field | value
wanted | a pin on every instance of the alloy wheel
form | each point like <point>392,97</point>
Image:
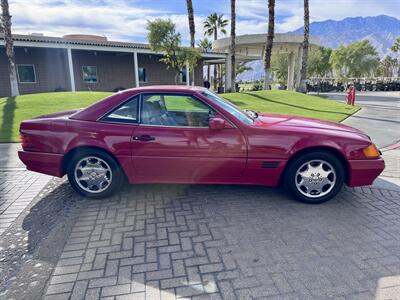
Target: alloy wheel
<point>315,178</point>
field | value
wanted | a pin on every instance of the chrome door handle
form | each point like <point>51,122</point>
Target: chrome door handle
<point>144,138</point>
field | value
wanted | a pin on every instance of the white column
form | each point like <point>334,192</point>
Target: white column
<point>290,82</point>
<point>136,68</point>
<point>299,63</point>
<point>71,69</point>
<point>187,74</point>
<point>228,71</point>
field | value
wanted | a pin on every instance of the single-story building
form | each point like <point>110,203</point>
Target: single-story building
<point>90,63</point>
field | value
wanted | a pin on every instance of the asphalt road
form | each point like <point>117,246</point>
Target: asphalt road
<point>379,116</point>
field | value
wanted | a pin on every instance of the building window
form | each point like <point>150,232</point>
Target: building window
<point>26,73</point>
<point>142,75</point>
<point>89,74</point>
<point>182,76</point>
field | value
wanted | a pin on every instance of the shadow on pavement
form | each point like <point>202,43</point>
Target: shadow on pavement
<point>32,245</point>
<point>49,213</point>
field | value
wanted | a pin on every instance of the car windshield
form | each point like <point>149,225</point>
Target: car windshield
<point>243,116</point>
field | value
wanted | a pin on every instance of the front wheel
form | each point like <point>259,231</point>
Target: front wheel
<point>314,177</point>
<point>94,174</point>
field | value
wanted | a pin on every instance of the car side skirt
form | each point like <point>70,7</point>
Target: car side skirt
<point>262,172</point>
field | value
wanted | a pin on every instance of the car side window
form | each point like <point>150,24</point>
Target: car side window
<point>175,110</point>
<point>125,113</point>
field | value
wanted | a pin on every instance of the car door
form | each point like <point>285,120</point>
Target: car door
<point>174,142</point>
<point>116,129</point>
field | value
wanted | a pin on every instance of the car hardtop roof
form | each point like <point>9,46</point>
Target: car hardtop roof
<point>167,88</point>
<point>96,110</point>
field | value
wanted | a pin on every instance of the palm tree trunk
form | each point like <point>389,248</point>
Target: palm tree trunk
<point>189,5</point>
<point>216,80</point>
<point>303,73</point>
<point>191,22</point>
<point>233,46</point>
<point>269,43</point>
<point>6,24</point>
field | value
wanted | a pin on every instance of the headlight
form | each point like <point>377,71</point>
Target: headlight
<point>371,151</point>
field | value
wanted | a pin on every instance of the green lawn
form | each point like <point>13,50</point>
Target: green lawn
<point>15,110</point>
<point>292,103</point>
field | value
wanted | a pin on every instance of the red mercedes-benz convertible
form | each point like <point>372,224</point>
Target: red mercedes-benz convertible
<point>172,134</point>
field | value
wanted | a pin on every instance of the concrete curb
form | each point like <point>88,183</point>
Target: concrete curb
<point>353,114</point>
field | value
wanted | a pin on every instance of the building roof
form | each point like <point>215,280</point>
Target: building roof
<point>254,44</point>
<point>82,42</point>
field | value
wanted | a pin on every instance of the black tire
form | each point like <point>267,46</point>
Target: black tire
<point>117,173</point>
<point>289,180</point>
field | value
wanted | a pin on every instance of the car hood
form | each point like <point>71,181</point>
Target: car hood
<point>267,120</point>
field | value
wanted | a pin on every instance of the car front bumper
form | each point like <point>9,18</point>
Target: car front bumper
<point>364,172</point>
<point>46,163</point>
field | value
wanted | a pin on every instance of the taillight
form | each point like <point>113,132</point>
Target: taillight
<point>22,140</point>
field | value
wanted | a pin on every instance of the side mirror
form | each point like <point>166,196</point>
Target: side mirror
<point>218,123</point>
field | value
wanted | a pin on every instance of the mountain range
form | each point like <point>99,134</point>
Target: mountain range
<point>380,30</point>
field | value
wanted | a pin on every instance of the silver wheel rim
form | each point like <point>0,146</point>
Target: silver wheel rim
<point>93,174</point>
<point>315,178</point>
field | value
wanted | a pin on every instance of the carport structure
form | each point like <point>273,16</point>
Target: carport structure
<point>251,47</point>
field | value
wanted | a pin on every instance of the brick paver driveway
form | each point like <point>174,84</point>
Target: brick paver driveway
<point>204,242</point>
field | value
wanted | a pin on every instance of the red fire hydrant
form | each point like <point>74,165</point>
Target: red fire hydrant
<point>351,95</point>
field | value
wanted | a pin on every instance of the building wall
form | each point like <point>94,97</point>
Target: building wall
<point>114,70</point>
<point>159,74</point>
<point>5,88</point>
<point>50,65</point>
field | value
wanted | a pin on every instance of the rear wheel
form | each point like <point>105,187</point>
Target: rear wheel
<point>94,174</point>
<point>314,177</point>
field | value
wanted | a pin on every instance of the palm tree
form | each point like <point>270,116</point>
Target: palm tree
<point>396,49</point>
<point>396,45</point>
<point>242,67</point>
<point>6,28</point>
<point>269,43</point>
<point>233,46</point>
<point>206,46</point>
<point>212,25</point>
<point>303,73</point>
<point>189,6</point>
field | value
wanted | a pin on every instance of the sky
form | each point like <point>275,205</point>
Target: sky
<point>125,20</point>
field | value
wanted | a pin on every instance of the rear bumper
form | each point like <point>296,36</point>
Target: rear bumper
<point>364,172</point>
<point>46,163</point>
